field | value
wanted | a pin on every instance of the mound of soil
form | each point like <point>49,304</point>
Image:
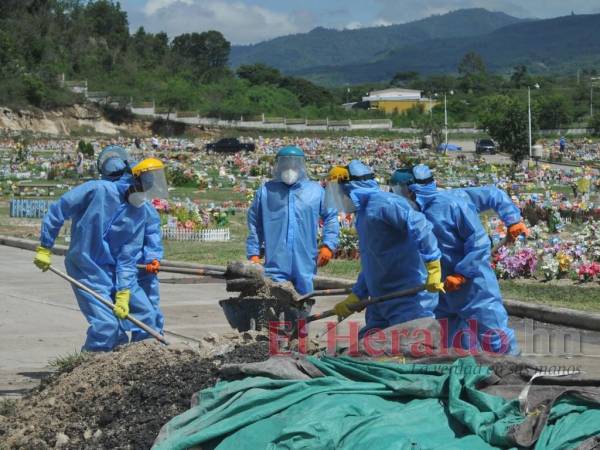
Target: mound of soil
<point>116,400</point>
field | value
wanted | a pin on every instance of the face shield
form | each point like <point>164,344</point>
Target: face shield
<point>150,182</point>
<point>402,190</point>
<point>336,198</point>
<point>289,169</point>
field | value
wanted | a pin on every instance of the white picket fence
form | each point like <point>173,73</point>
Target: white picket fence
<point>208,235</point>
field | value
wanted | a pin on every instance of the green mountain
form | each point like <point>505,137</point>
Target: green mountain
<point>327,47</point>
<point>556,45</point>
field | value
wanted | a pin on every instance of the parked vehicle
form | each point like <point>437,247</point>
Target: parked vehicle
<point>485,146</point>
<point>229,145</point>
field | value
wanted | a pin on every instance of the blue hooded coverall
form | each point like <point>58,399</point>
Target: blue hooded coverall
<point>465,250</point>
<point>395,242</point>
<point>148,285</point>
<point>126,238</point>
<point>285,220</point>
<point>90,259</point>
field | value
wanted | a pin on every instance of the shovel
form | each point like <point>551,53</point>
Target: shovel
<point>364,303</point>
<point>109,304</point>
<point>358,307</point>
<point>188,271</point>
<point>325,293</point>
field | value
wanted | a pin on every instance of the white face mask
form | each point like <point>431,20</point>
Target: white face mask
<point>289,176</point>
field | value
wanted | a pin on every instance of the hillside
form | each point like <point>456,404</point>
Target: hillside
<point>338,48</point>
<point>546,46</point>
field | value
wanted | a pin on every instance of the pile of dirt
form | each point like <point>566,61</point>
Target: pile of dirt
<point>117,400</point>
<point>250,281</point>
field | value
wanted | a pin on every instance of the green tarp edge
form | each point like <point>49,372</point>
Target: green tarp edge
<point>366,404</point>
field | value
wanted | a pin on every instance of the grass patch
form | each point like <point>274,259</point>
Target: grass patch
<point>66,363</point>
<point>341,268</point>
<point>217,253</point>
<point>8,407</point>
<point>574,297</point>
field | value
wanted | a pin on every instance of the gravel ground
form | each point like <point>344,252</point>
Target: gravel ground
<point>116,400</point>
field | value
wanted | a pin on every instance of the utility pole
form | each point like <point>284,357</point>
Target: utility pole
<point>593,81</point>
<point>446,121</point>
<point>537,86</point>
<point>529,116</point>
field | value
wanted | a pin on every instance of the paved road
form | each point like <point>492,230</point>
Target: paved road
<point>39,321</point>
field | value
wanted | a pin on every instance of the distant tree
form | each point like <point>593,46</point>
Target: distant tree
<point>308,93</point>
<point>520,77</point>
<point>436,84</point>
<point>404,78</point>
<point>553,111</point>
<point>505,119</point>
<point>8,55</point>
<point>472,71</point>
<point>471,64</point>
<point>174,95</point>
<point>259,74</point>
<point>203,53</point>
<point>106,19</point>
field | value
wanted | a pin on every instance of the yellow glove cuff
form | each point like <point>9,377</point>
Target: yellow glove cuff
<point>434,276</point>
<point>122,304</point>
<point>43,251</point>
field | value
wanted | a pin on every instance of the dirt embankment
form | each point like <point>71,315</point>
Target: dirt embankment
<point>117,400</point>
<point>74,120</point>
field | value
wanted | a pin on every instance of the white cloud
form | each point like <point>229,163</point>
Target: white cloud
<point>240,22</point>
<point>154,5</point>
<point>381,23</point>
<point>353,25</point>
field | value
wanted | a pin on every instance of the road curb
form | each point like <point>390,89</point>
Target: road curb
<point>541,313</point>
<point>28,244</point>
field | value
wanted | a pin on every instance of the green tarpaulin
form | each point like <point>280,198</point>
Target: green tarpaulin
<point>369,405</point>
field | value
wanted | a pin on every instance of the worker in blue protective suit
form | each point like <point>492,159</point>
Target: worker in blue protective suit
<point>472,291</point>
<point>284,220</point>
<point>150,255</point>
<point>101,251</point>
<point>91,207</point>
<point>398,249</point>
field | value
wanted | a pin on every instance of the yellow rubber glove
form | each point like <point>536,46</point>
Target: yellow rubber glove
<point>342,308</point>
<point>122,304</point>
<point>434,277</point>
<point>43,258</point>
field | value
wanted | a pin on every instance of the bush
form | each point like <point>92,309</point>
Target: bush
<point>180,177</point>
<point>164,127</point>
<point>86,148</point>
<point>117,115</point>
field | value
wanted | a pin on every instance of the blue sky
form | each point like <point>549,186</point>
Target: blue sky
<point>250,21</point>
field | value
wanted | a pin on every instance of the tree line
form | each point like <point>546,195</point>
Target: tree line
<point>42,39</point>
